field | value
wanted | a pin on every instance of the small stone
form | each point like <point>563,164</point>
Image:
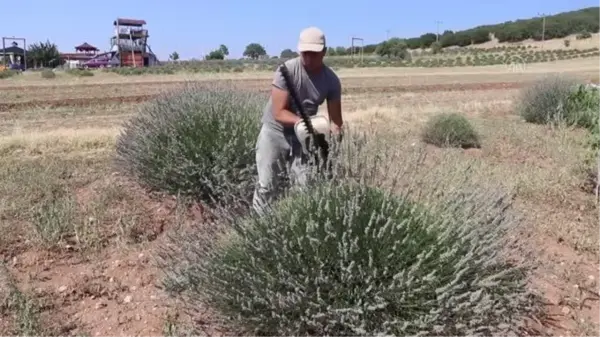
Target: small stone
<point>111,280</point>
<point>100,305</point>
<point>62,289</point>
<point>127,299</point>
<point>591,281</point>
<point>117,263</point>
<point>134,288</point>
<point>152,297</point>
<point>138,317</point>
<point>141,256</point>
<point>565,310</point>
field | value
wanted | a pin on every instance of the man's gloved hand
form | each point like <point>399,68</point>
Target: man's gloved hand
<point>320,125</point>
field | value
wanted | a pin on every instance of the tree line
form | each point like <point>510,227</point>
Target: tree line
<point>582,22</point>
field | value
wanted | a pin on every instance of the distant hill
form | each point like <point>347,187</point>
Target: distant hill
<point>581,22</point>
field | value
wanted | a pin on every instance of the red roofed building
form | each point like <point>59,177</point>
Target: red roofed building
<point>83,53</point>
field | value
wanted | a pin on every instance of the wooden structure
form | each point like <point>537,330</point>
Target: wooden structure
<point>83,53</point>
<point>130,43</point>
<point>86,48</point>
<point>13,57</point>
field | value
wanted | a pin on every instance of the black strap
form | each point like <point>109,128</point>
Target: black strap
<point>318,140</point>
<point>299,107</point>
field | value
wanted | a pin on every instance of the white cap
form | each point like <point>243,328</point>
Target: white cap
<point>311,39</point>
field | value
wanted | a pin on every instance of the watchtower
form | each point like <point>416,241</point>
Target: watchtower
<point>130,42</point>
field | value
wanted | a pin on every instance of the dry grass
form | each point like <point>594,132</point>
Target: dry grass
<point>61,201</point>
<point>58,141</point>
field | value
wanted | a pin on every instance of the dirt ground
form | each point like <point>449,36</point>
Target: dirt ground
<point>57,140</point>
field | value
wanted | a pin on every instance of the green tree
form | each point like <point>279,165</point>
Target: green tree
<point>254,51</point>
<point>224,50</point>
<point>43,54</point>
<point>394,47</point>
<point>174,56</point>
<point>288,54</point>
<point>427,40</point>
<point>447,39</point>
<point>341,51</point>
<point>215,55</point>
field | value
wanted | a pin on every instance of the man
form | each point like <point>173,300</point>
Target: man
<point>278,149</point>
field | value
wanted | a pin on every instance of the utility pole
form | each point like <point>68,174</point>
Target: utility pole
<point>543,15</point>
<point>437,35</point>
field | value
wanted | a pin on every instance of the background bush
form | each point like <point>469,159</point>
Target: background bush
<point>583,107</point>
<point>198,142</point>
<point>7,73</point>
<point>347,258</point>
<point>546,100</point>
<point>450,130</point>
<point>80,72</point>
<point>47,73</point>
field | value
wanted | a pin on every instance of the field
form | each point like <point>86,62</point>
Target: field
<point>82,262</point>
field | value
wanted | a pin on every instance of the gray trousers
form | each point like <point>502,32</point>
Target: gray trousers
<point>280,164</point>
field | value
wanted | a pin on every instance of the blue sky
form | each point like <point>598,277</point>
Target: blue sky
<point>195,27</point>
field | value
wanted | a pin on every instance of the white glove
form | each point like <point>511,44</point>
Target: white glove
<point>320,125</point>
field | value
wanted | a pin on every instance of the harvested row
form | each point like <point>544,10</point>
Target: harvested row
<point>84,101</point>
<point>15,94</point>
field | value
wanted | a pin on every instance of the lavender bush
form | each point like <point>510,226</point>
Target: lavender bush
<point>450,130</point>
<point>545,101</point>
<point>354,257</point>
<point>198,141</point>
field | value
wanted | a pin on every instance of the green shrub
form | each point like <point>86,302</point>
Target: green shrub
<point>47,73</point>
<point>197,142</point>
<point>80,72</point>
<point>583,35</point>
<point>350,259</point>
<point>545,101</point>
<point>7,73</point>
<point>450,130</point>
<point>583,106</point>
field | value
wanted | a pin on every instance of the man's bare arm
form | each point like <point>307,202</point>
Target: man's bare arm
<point>334,106</point>
<point>281,113</point>
<point>334,109</point>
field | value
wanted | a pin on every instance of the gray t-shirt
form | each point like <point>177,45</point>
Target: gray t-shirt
<point>312,90</point>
